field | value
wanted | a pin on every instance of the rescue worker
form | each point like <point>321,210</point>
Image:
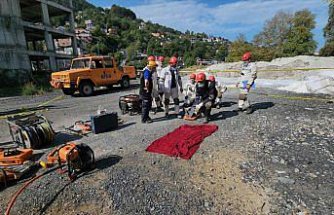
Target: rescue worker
<point>157,86</point>
<point>190,95</point>
<point>247,77</point>
<point>146,87</point>
<point>205,95</point>
<point>160,62</point>
<point>220,90</point>
<point>190,90</point>
<point>172,84</point>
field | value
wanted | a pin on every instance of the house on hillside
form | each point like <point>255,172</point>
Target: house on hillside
<point>142,26</point>
<point>89,24</point>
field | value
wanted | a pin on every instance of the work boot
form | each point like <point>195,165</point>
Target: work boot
<point>159,109</point>
<point>249,110</point>
<point>149,120</point>
<point>240,109</point>
<point>207,116</point>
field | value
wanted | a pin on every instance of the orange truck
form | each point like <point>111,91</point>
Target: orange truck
<point>92,71</point>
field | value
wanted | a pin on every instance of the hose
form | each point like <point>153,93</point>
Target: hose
<point>16,195</point>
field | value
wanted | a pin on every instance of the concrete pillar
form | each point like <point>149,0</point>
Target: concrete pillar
<point>51,50</point>
<point>72,26</point>
<point>45,13</point>
<point>53,63</point>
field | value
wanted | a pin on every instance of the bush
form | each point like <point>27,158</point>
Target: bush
<point>29,89</point>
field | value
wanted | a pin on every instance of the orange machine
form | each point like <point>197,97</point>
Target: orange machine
<point>92,71</point>
<point>77,158</point>
<point>10,157</point>
<point>62,154</point>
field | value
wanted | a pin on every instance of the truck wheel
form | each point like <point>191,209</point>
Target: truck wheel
<point>125,83</point>
<point>86,88</point>
<point>110,87</point>
<point>67,91</point>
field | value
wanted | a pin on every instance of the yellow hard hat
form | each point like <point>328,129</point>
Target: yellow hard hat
<point>152,63</point>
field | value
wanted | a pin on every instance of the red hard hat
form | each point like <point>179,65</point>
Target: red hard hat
<point>247,56</point>
<point>192,76</point>
<point>173,61</point>
<point>200,77</point>
<point>151,58</point>
<point>161,58</point>
<point>212,78</point>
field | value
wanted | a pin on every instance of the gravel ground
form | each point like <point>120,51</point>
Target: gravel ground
<point>278,160</point>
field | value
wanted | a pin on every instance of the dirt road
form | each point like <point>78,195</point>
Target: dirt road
<point>279,160</point>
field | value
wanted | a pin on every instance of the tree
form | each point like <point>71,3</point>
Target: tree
<point>221,52</point>
<point>300,38</point>
<point>275,32</point>
<point>122,12</point>
<point>328,49</point>
<point>238,48</point>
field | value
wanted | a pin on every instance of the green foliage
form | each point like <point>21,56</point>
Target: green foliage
<point>275,32</point>
<point>29,89</point>
<point>286,35</point>
<point>238,48</point>
<point>132,36</point>
<point>329,28</point>
<point>122,12</point>
<point>328,49</point>
<point>80,5</point>
<point>300,38</point>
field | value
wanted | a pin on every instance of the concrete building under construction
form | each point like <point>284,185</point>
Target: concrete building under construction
<point>28,31</point>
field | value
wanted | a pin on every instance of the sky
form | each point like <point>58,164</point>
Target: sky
<point>225,18</point>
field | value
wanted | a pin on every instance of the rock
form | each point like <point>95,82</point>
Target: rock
<point>312,175</point>
<point>297,170</point>
<point>285,180</point>
<point>280,172</point>
<point>275,159</point>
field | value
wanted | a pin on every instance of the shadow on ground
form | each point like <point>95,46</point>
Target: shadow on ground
<point>262,105</point>
<point>63,137</point>
<point>223,115</point>
<point>227,104</point>
<point>163,118</point>
<point>107,162</point>
<point>100,92</point>
<point>121,126</point>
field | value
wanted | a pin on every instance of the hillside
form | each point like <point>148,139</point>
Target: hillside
<point>119,32</point>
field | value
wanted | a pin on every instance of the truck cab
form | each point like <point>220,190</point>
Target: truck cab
<point>92,71</point>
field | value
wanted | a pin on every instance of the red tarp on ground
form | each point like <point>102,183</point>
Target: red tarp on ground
<point>182,142</point>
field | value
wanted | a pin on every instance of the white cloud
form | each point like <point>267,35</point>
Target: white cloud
<point>228,19</point>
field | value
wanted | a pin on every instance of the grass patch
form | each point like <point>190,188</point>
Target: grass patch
<point>32,89</point>
<point>27,89</point>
